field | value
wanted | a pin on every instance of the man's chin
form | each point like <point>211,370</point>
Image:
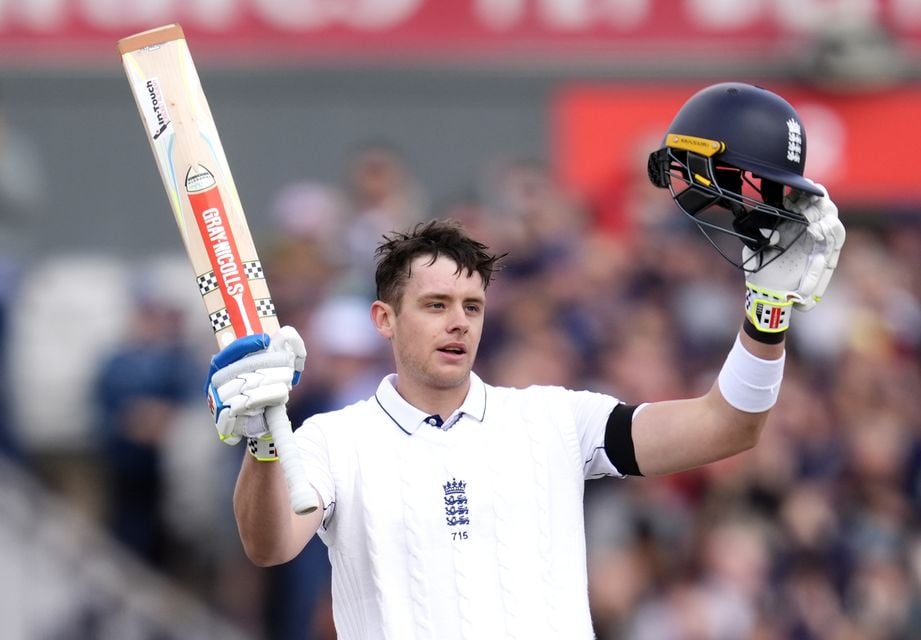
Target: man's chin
<point>450,380</point>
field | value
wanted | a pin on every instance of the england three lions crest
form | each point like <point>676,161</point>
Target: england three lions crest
<point>456,511</point>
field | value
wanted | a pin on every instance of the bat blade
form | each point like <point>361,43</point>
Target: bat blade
<point>198,182</point>
<point>204,200</point>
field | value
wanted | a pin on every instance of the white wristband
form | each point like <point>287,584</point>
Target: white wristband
<point>748,382</point>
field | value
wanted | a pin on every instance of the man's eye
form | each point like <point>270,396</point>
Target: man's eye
<point>473,308</point>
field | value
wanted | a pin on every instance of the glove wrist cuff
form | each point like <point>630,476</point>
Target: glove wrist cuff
<point>262,448</point>
<point>768,311</point>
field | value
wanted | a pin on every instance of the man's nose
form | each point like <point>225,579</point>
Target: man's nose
<point>459,320</point>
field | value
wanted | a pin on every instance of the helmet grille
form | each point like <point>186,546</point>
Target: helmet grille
<point>726,201</point>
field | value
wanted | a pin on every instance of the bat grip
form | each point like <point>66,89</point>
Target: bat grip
<point>303,496</point>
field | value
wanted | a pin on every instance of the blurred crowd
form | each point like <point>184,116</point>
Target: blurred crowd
<point>814,534</point>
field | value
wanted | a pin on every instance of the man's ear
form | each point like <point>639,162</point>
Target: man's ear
<point>382,315</point>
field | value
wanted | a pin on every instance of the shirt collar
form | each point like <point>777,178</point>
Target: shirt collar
<point>408,418</point>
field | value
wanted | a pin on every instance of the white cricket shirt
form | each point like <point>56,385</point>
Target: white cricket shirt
<point>473,530</point>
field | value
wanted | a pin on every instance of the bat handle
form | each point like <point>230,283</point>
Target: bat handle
<point>303,496</point>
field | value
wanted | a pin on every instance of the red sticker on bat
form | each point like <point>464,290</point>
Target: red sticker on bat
<point>211,217</point>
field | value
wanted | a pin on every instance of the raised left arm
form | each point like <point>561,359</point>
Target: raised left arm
<point>681,434</point>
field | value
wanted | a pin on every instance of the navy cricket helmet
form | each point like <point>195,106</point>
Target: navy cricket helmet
<point>728,157</point>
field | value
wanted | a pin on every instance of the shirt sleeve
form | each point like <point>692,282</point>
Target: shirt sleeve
<point>314,449</point>
<point>590,412</point>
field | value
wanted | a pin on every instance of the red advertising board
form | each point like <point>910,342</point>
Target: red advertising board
<point>349,28</point>
<point>858,145</point>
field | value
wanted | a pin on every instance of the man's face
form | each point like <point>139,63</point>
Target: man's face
<point>437,331</point>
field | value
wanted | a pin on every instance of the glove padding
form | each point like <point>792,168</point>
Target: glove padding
<point>800,275</point>
<point>250,374</point>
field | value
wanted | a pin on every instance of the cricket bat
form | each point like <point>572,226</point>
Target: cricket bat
<point>207,208</point>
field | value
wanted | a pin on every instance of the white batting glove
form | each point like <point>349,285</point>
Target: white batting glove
<point>249,375</point>
<point>798,277</point>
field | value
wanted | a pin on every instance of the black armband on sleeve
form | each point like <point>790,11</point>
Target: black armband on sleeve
<point>618,440</point>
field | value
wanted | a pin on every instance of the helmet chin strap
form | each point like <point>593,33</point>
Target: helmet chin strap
<point>745,221</point>
<point>751,226</point>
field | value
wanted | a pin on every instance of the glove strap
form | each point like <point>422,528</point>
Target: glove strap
<point>262,448</point>
<point>769,311</point>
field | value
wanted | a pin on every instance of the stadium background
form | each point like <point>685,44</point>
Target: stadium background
<point>530,120</point>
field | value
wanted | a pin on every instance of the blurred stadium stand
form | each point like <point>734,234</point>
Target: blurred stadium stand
<point>63,578</point>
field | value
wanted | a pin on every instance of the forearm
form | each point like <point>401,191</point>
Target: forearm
<point>683,434</point>
<point>692,432</point>
<point>270,531</point>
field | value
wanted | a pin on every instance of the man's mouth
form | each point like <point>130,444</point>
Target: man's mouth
<point>454,349</point>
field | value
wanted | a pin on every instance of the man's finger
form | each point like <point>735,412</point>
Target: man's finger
<point>250,364</point>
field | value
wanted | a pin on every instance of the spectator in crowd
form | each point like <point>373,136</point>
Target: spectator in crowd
<point>22,207</point>
<point>306,253</point>
<point>382,193</point>
<point>139,389</point>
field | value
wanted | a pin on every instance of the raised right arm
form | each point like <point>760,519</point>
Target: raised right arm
<point>250,376</point>
<point>270,531</point>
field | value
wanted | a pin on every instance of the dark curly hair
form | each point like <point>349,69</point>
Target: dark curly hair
<point>436,238</point>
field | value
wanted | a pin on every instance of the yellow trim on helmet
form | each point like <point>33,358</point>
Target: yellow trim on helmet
<point>702,180</point>
<point>703,146</point>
